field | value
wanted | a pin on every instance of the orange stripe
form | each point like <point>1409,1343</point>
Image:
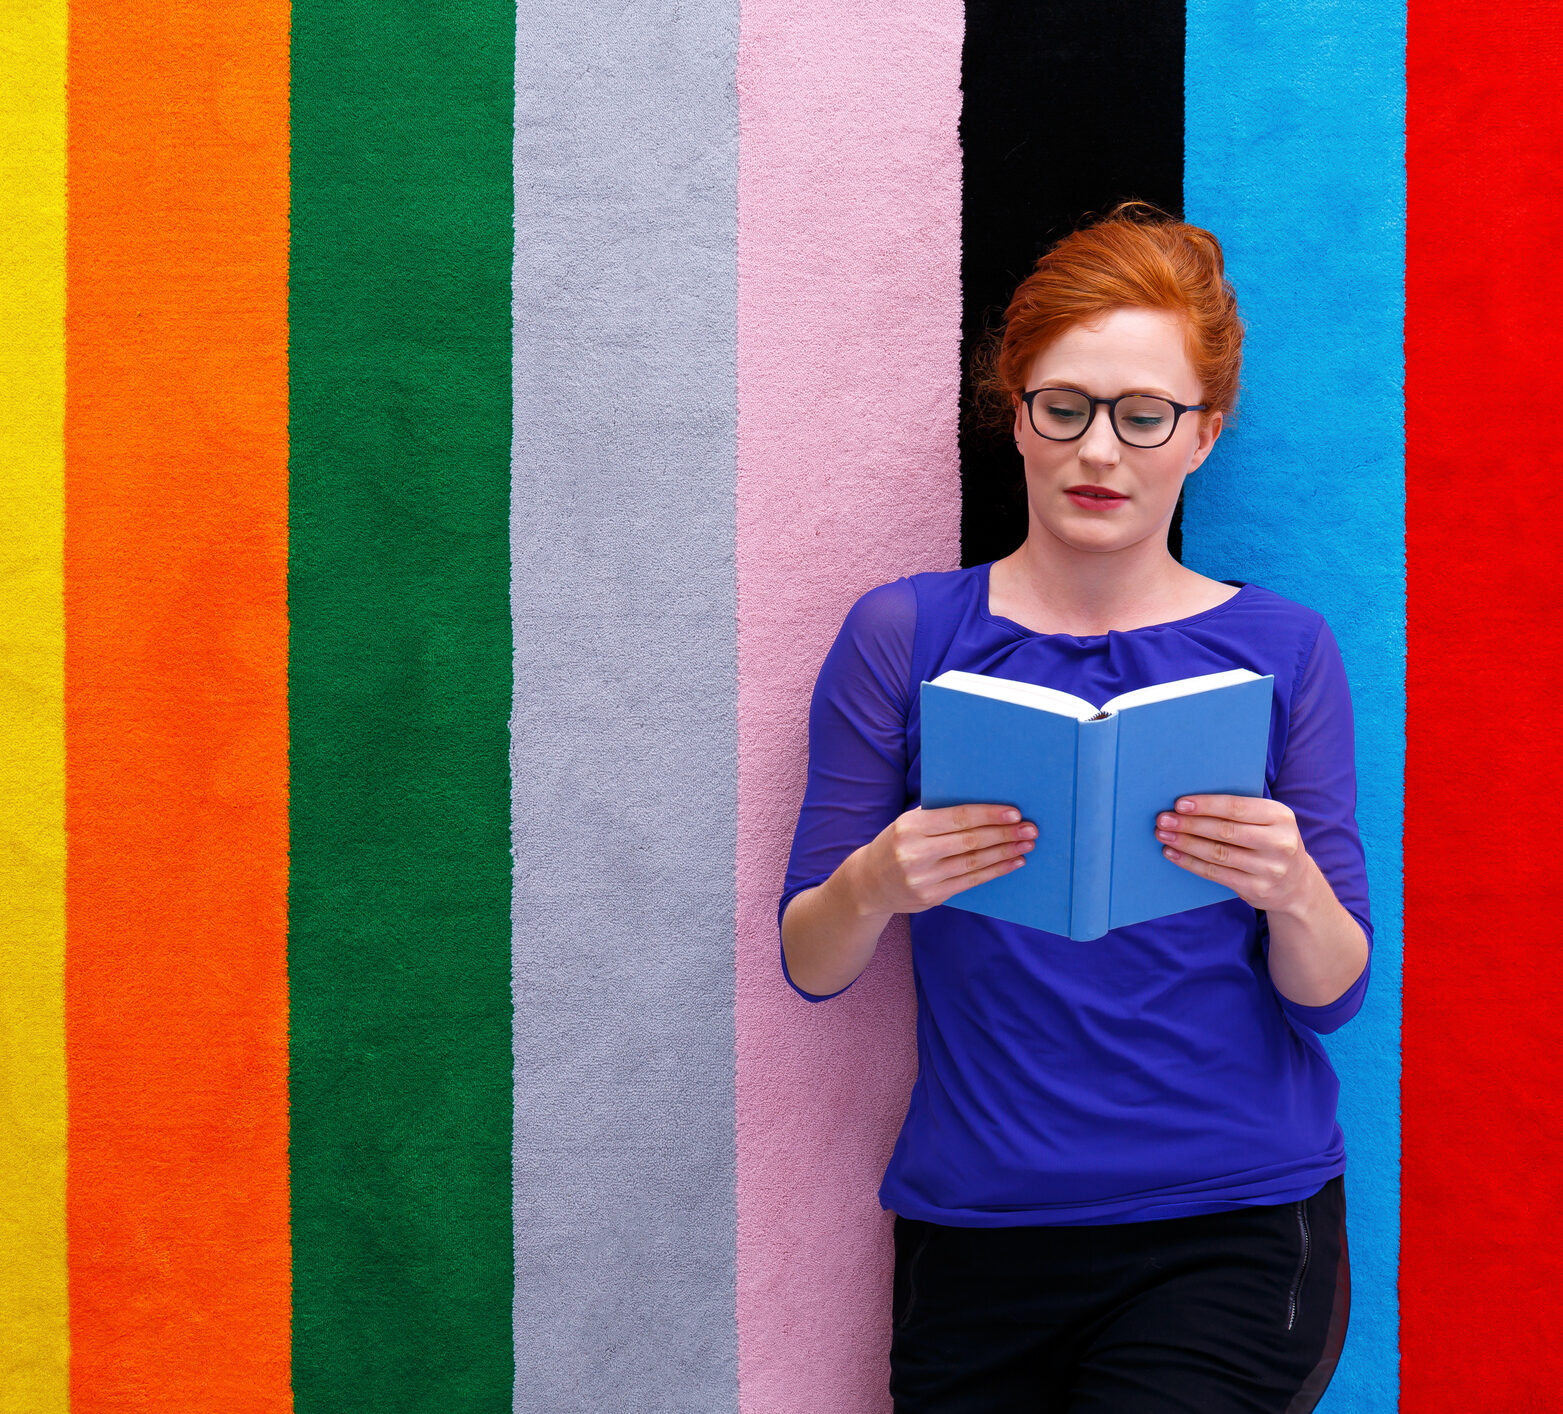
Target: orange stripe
<point>176,719</point>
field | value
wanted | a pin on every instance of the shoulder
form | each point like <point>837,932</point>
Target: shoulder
<point>1302,650</point>
<point>885,611</point>
<point>951,594</point>
<point>896,606</point>
<point>1284,618</point>
<point>877,632</point>
<point>891,623</point>
<point>1279,607</point>
<point>1267,632</point>
<point>870,659</point>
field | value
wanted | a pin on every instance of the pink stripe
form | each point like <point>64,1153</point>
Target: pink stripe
<point>848,366</point>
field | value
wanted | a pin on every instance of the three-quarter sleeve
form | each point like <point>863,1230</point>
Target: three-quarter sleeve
<point>1317,778</point>
<point>857,742</point>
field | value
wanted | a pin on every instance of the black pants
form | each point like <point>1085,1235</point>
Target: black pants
<point>1223,1312</point>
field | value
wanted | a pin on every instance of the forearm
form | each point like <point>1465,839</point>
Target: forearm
<point>1317,949</point>
<point>829,934</point>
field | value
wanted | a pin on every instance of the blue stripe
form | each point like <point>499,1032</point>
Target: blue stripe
<point>1294,157</point>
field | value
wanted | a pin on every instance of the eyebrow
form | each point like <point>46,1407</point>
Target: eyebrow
<point>1077,387</point>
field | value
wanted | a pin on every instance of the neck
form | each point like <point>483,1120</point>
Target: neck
<point>1089,593</point>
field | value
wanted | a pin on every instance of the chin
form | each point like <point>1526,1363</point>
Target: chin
<point>1099,539</point>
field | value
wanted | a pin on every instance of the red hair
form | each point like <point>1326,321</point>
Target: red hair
<point>1135,257</point>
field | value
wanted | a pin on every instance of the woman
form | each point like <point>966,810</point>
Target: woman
<point>1118,1184</point>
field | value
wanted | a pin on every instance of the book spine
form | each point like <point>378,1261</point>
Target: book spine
<point>1096,771</point>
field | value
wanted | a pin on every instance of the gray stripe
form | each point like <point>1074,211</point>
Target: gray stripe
<point>624,742</point>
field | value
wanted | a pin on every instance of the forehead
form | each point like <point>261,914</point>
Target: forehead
<point>1127,348</point>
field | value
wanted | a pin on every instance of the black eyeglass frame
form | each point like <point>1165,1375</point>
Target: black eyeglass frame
<point>1111,404</point>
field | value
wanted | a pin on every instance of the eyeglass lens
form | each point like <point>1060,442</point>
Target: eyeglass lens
<point>1142,420</point>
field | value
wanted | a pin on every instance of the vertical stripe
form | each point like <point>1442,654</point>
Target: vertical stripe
<point>1068,108</point>
<point>175,615</point>
<point>1482,1262</point>
<point>33,1336</point>
<point>848,341</point>
<point>1294,159</point>
<point>624,743</point>
<point>399,956</point>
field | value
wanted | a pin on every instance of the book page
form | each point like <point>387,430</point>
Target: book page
<point>1165,691</point>
<point>1022,694</point>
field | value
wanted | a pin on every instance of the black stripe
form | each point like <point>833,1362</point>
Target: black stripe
<point>1068,108</point>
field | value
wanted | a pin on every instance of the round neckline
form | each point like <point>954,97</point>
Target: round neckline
<point>1243,586</point>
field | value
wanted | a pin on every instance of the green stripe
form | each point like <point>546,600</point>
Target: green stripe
<point>400,684</point>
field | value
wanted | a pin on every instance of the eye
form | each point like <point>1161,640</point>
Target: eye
<point>1062,413</point>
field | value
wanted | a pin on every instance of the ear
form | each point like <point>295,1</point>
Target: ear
<point>1020,413</point>
<point>1208,432</point>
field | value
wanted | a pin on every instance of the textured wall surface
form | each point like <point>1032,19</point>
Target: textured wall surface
<point>848,314</point>
<point>176,725</point>
<point>34,1297</point>
<point>440,444</point>
<point>1482,1095</point>
<point>399,681</point>
<point>1295,158</point>
<point>623,734</point>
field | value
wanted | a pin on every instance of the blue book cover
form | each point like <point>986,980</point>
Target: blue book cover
<point>1092,779</point>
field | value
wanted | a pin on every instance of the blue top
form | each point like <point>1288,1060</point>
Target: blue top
<point>1155,1072</point>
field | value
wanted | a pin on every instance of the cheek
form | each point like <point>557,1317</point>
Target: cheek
<point>1164,475</point>
<point>1043,452</point>
<point>1045,460</point>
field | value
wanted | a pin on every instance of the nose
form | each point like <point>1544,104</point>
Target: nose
<point>1099,445</point>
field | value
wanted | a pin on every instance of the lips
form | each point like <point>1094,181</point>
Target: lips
<point>1099,493</point>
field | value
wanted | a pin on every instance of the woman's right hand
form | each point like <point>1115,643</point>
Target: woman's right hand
<point>919,859</point>
<point>923,857</point>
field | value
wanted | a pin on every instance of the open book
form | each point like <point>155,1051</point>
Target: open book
<point>1093,781</point>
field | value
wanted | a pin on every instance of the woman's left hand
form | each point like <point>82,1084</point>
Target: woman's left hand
<point>1250,844</point>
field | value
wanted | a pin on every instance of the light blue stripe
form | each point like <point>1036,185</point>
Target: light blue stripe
<point>624,733</point>
<point>1295,146</point>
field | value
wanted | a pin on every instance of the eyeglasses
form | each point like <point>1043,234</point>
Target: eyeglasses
<point>1139,419</point>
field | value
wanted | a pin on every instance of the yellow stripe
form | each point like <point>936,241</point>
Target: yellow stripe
<point>34,1316</point>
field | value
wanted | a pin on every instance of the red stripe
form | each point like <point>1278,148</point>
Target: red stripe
<point>1482,1239</point>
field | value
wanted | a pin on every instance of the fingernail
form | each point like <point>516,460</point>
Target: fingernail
<point>1167,822</point>
<point>1186,806</point>
<point>1165,835</point>
<point>1011,816</point>
<point>1172,854</point>
<point>1028,832</point>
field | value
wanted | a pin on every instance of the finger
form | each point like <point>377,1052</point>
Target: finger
<point>970,841</point>
<point>1228,807</point>
<point>1171,828</point>
<point>1244,861</point>
<point>994,870</point>
<point>952,819</point>
<point>972,860</point>
<point>1235,879</point>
